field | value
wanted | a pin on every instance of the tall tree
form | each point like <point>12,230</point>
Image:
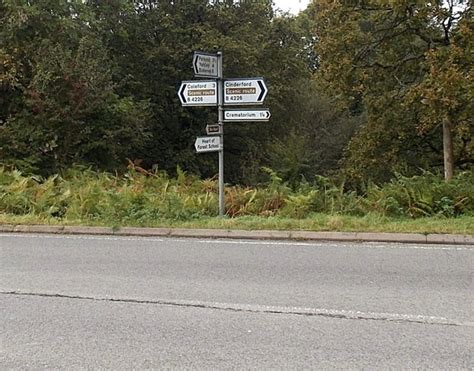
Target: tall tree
<point>62,107</point>
<point>408,65</point>
<point>95,82</point>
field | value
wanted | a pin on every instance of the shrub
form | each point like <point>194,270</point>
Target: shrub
<point>136,197</point>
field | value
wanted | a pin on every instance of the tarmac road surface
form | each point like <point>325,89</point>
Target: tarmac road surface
<point>131,302</point>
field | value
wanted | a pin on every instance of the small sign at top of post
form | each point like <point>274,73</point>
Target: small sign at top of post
<point>205,65</point>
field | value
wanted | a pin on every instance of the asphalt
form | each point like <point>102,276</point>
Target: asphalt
<point>130,302</point>
<point>67,334</point>
<point>443,239</point>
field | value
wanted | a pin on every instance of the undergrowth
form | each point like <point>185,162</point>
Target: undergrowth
<point>136,198</point>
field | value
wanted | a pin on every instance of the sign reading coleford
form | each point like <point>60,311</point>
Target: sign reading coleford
<point>205,65</point>
<point>207,144</point>
<point>198,93</point>
<point>244,91</point>
<point>247,115</point>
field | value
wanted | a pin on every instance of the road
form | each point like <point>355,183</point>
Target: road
<point>123,303</point>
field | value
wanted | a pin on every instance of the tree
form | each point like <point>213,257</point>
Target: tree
<point>94,82</point>
<point>61,104</point>
<point>316,138</point>
<point>389,58</point>
<point>153,47</point>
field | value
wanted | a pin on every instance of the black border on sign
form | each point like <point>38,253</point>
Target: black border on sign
<point>260,81</point>
<point>181,92</point>
<point>247,109</point>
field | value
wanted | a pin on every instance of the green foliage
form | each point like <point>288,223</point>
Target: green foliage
<point>81,195</point>
<point>94,83</point>
<point>314,142</point>
<point>409,66</point>
<point>60,105</point>
<point>424,195</point>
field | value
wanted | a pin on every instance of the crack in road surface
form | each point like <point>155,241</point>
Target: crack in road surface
<point>254,308</point>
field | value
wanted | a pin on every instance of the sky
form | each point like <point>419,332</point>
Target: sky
<point>293,6</point>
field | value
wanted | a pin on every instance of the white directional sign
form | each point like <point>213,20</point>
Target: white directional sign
<point>244,91</point>
<point>207,144</point>
<point>198,93</point>
<point>247,115</point>
<point>205,65</point>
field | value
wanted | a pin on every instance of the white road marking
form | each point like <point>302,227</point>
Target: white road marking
<point>256,308</point>
<point>373,245</point>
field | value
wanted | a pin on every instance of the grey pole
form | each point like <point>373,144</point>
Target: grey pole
<point>220,105</point>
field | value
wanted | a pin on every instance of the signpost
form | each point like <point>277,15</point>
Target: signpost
<point>207,144</point>
<point>198,93</point>
<point>244,91</point>
<point>250,114</point>
<point>205,65</point>
<point>219,92</point>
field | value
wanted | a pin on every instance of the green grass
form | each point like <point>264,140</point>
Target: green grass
<point>423,204</point>
<point>317,222</point>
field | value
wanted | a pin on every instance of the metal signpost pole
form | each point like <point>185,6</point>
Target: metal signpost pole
<point>220,122</point>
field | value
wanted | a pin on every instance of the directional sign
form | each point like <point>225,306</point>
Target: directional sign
<point>198,93</point>
<point>244,91</point>
<point>247,115</point>
<point>205,65</point>
<point>213,129</point>
<point>207,144</point>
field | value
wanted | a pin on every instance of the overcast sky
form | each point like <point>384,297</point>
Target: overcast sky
<point>294,6</point>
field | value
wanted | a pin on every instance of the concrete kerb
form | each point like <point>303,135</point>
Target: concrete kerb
<point>88,230</point>
<point>393,237</point>
<point>6,228</point>
<point>53,229</point>
<point>446,239</point>
<point>325,236</point>
<point>450,239</point>
<point>150,232</point>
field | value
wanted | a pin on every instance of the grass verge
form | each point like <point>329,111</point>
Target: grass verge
<point>317,222</point>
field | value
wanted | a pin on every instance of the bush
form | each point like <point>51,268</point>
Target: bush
<point>140,197</point>
<point>425,195</point>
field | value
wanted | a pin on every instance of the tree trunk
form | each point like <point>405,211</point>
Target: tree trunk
<point>448,150</point>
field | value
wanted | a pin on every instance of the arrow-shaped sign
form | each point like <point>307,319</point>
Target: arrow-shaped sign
<point>205,65</point>
<point>207,144</point>
<point>244,91</point>
<point>247,115</point>
<point>198,93</point>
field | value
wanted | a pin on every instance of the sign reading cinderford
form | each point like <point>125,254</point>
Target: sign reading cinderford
<point>244,91</point>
